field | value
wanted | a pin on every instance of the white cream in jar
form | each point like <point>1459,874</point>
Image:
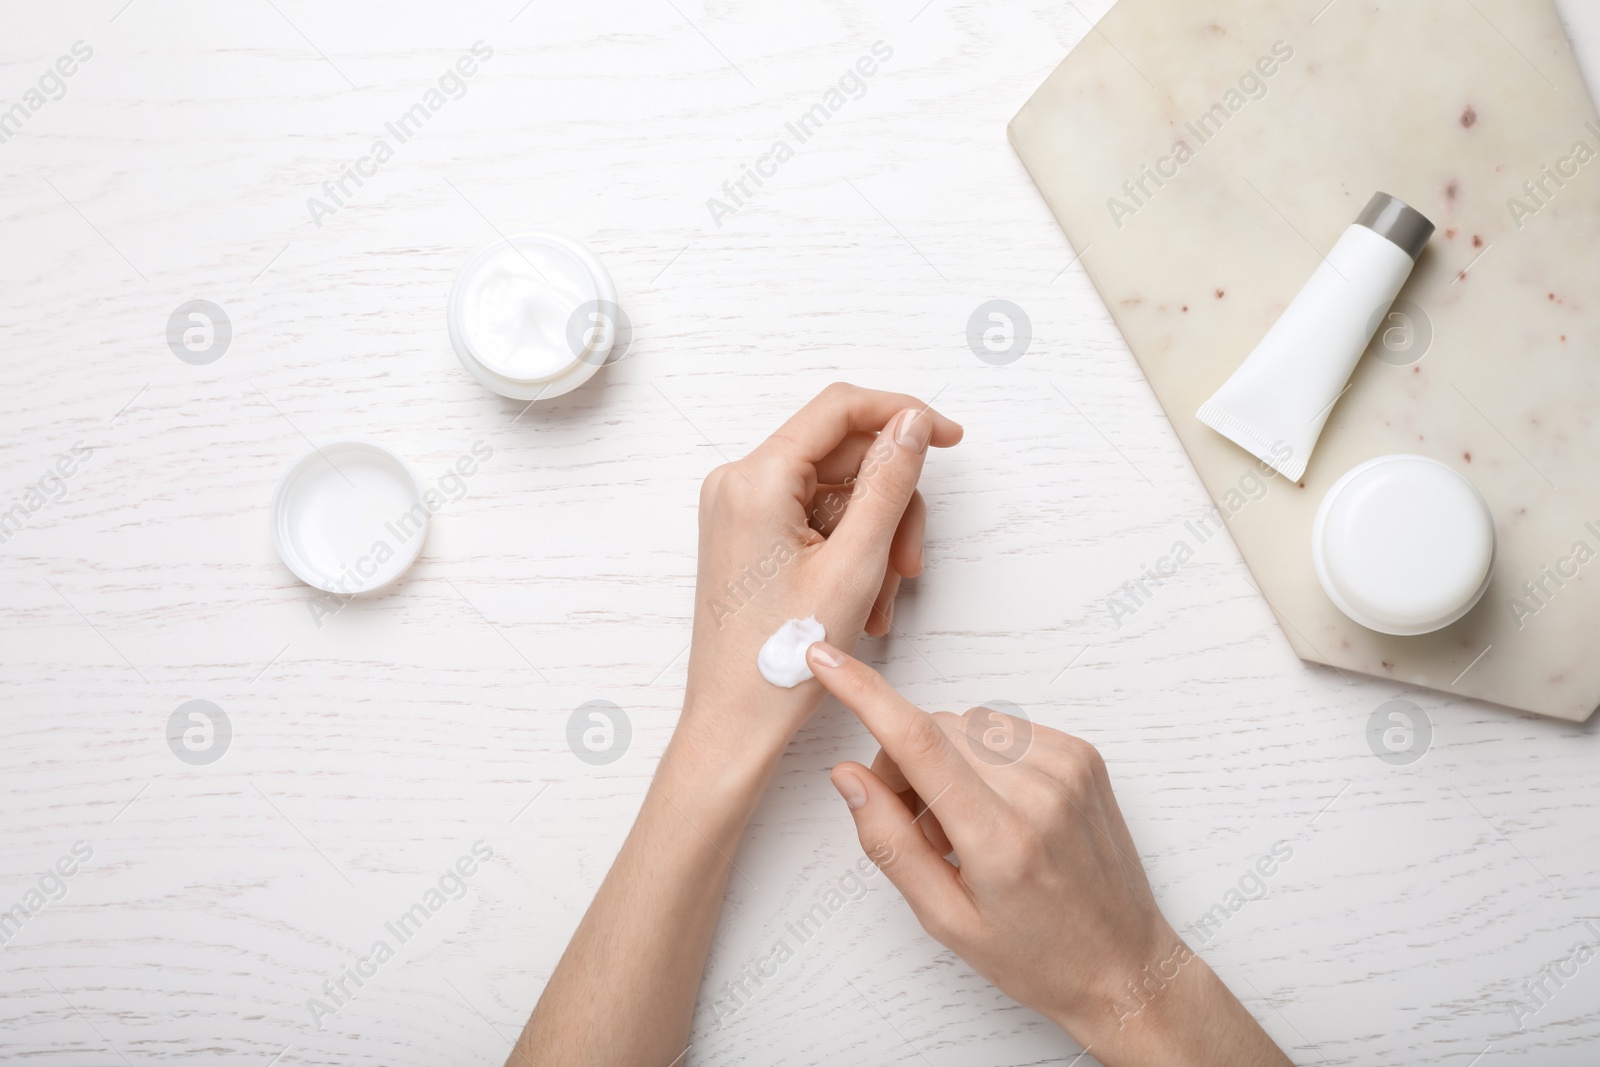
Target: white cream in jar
<point>533,316</point>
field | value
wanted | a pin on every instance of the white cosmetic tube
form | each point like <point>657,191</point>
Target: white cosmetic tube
<point>1275,405</point>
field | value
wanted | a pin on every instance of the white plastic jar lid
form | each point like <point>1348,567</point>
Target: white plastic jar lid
<point>533,315</point>
<point>349,517</point>
<point>1403,545</point>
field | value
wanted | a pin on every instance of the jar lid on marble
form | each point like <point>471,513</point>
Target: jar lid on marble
<point>1403,545</point>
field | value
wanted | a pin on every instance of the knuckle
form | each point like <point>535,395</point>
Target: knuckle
<point>1081,748</point>
<point>953,725</point>
<point>711,484</point>
<point>762,465</point>
<point>879,850</point>
<point>1020,847</point>
<point>975,722</point>
<point>886,472</point>
<point>862,687</point>
<point>828,507</point>
<point>1075,783</point>
<point>1085,761</point>
<point>1066,801</point>
<point>1000,738</point>
<point>923,739</point>
<point>745,486</point>
<point>939,926</point>
<point>857,686</point>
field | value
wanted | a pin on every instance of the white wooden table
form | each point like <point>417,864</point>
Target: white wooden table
<point>371,748</point>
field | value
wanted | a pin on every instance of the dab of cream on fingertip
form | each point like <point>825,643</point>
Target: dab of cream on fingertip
<point>782,660</point>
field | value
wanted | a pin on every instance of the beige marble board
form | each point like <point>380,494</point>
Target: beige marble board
<point>1474,112</point>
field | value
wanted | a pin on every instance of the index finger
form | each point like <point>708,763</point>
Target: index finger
<point>840,410</point>
<point>933,766</point>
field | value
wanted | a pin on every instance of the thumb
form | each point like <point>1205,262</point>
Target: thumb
<point>891,838</point>
<point>883,487</point>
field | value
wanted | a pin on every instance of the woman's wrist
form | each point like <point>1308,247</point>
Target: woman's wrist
<point>1174,1012</point>
<point>719,761</point>
<point>735,726</point>
<point>1118,1015</point>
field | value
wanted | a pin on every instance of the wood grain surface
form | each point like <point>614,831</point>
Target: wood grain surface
<point>374,746</point>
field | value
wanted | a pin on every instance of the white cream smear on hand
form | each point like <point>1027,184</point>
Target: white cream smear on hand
<point>782,660</point>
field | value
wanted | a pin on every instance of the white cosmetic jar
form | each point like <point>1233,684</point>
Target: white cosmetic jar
<point>1403,545</point>
<point>533,315</point>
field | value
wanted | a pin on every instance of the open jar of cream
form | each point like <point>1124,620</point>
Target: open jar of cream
<point>533,316</point>
<point>1403,545</point>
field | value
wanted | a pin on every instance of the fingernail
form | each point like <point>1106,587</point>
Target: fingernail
<point>825,655</point>
<point>849,787</point>
<point>916,427</point>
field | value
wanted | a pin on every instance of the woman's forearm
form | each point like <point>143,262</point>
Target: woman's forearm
<point>624,991</point>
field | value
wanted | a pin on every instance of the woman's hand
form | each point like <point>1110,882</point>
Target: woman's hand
<point>823,519</point>
<point>1050,901</point>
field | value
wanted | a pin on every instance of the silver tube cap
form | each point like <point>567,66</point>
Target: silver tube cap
<point>1393,218</point>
